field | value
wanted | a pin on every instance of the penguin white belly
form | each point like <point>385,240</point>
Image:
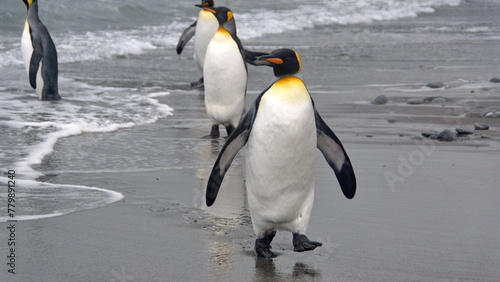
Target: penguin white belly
<point>280,165</point>
<point>26,47</point>
<point>205,29</point>
<point>225,79</point>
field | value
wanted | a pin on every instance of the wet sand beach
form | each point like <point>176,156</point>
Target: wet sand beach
<point>425,210</point>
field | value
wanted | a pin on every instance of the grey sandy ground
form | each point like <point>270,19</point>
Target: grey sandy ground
<point>435,219</point>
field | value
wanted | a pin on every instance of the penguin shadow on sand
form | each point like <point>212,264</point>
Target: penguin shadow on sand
<point>265,270</point>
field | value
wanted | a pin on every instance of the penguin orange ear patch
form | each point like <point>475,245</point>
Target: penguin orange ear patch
<point>276,61</point>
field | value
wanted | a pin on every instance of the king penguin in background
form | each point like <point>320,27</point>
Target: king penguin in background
<point>40,55</point>
<point>225,74</point>
<point>203,29</point>
<point>282,130</point>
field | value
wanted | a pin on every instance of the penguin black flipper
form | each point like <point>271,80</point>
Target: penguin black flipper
<point>335,156</point>
<point>186,35</point>
<point>36,57</point>
<point>251,57</point>
<point>233,145</point>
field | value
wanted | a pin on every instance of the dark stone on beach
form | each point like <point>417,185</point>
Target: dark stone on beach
<point>435,85</point>
<point>464,131</point>
<point>380,100</point>
<point>488,114</point>
<point>495,80</point>
<point>417,138</point>
<point>435,99</point>
<point>481,126</point>
<point>491,112</point>
<point>447,136</point>
<point>428,134</point>
<point>415,102</point>
<point>429,99</point>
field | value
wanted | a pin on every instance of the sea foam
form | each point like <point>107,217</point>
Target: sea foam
<point>36,200</point>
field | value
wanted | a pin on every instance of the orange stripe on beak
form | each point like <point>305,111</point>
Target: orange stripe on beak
<point>209,9</point>
<point>276,61</point>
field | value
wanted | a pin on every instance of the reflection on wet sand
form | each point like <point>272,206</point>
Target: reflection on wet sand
<point>226,214</point>
<point>265,270</point>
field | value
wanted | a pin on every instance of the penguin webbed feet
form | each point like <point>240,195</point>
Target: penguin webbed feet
<point>301,243</point>
<point>198,84</point>
<point>229,129</point>
<point>214,132</point>
<point>263,245</point>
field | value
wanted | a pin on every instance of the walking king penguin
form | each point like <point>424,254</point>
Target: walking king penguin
<point>203,29</point>
<point>225,75</point>
<point>40,55</point>
<point>282,129</point>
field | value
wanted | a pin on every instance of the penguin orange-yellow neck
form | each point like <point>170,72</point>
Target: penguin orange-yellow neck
<point>289,89</point>
<point>206,15</point>
<point>222,34</point>
<point>221,29</point>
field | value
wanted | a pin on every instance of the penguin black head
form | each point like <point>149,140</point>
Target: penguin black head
<point>223,14</point>
<point>206,3</point>
<point>284,62</point>
<point>29,3</point>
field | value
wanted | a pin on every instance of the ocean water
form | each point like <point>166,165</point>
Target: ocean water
<point>97,32</point>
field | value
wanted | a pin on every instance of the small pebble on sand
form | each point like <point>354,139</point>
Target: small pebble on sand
<point>380,100</point>
<point>447,136</point>
<point>481,126</point>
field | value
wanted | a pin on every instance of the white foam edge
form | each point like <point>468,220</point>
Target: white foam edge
<point>113,197</point>
<point>38,152</point>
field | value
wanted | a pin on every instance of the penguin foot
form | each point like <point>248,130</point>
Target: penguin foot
<point>214,132</point>
<point>301,243</point>
<point>198,84</point>
<point>229,128</point>
<point>263,245</point>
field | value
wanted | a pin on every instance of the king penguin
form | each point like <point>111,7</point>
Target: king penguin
<point>203,29</point>
<point>282,130</point>
<point>225,75</point>
<point>40,55</point>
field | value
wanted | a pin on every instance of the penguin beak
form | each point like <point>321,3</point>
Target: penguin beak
<point>208,9</point>
<point>268,60</point>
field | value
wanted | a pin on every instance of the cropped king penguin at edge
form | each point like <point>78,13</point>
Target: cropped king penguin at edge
<point>282,130</point>
<point>39,55</point>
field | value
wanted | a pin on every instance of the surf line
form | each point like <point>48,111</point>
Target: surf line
<point>11,212</point>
